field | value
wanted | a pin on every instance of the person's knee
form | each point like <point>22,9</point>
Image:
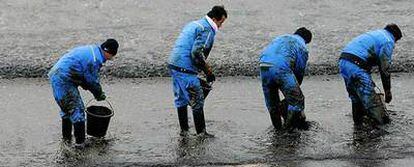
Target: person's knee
<point>368,101</point>
<point>196,98</point>
<point>78,115</point>
<point>298,102</point>
<point>197,106</point>
<point>292,91</point>
<point>296,108</point>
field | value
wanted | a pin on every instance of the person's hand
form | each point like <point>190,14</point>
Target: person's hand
<point>101,97</point>
<point>388,96</point>
<point>84,87</point>
<point>210,78</point>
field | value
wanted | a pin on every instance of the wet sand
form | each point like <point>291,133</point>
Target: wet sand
<point>145,130</point>
<point>36,33</point>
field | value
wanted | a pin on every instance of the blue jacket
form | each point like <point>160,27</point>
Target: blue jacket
<point>81,67</point>
<point>193,46</point>
<point>375,47</point>
<point>287,52</point>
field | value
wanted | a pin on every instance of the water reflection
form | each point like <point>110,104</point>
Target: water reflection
<point>95,151</point>
<point>367,146</point>
<point>192,149</point>
<point>283,147</point>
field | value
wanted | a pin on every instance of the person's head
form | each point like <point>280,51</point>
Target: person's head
<point>218,14</point>
<point>394,30</point>
<point>305,34</point>
<point>110,48</point>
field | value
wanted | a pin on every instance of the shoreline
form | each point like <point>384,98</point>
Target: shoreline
<point>149,70</point>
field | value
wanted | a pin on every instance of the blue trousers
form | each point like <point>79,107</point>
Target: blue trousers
<point>359,84</point>
<point>275,79</point>
<point>68,98</point>
<point>187,91</point>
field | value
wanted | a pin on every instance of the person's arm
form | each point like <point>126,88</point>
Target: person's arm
<point>299,77</point>
<point>384,63</point>
<point>92,80</point>
<point>198,53</point>
<point>95,87</point>
<point>300,66</point>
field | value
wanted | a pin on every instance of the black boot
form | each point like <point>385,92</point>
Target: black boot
<point>290,120</point>
<point>379,112</point>
<point>386,117</point>
<point>275,116</point>
<point>302,123</point>
<point>294,120</point>
<point>79,134</point>
<point>283,109</point>
<point>358,113</point>
<point>200,124</point>
<point>205,87</point>
<point>183,119</point>
<point>67,130</point>
<point>376,113</point>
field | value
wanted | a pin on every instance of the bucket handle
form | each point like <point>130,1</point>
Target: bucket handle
<point>110,105</point>
<point>379,90</point>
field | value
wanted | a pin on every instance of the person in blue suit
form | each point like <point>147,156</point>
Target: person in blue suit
<point>370,49</point>
<point>187,59</point>
<point>282,67</point>
<point>79,67</point>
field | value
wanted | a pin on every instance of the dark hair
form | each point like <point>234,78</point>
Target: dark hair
<point>110,46</point>
<point>394,30</point>
<point>304,33</point>
<point>217,12</point>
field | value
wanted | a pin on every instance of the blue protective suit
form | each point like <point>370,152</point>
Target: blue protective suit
<point>282,67</point>
<point>78,67</point>
<point>375,48</point>
<point>190,52</point>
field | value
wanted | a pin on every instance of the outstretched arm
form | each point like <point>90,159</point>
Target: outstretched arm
<point>199,53</point>
<point>93,83</point>
<point>384,62</point>
<point>300,66</point>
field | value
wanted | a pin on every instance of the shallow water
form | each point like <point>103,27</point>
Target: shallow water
<point>145,130</point>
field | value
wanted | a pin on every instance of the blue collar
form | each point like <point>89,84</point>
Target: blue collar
<point>204,19</point>
<point>300,38</point>
<point>102,56</point>
<point>211,23</point>
<point>390,35</point>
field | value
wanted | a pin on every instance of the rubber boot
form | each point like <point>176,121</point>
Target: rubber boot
<point>296,120</point>
<point>382,109</point>
<point>301,122</point>
<point>79,131</point>
<point>205,87</point>
<point>379,112</point>
<point>275,116</point>
<point>291,119</point>
<point>183,120</point>
<point>200,124</point>
<point>283,109</point>
<point>67,130</point>
<point>358,113</point>
<point>386,117</point>
<point>376,113</point>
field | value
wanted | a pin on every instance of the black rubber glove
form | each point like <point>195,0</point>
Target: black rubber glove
<point>388,96</point>
<point>211,78</point>
<point>84,87</point>
<point>101,97</point>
